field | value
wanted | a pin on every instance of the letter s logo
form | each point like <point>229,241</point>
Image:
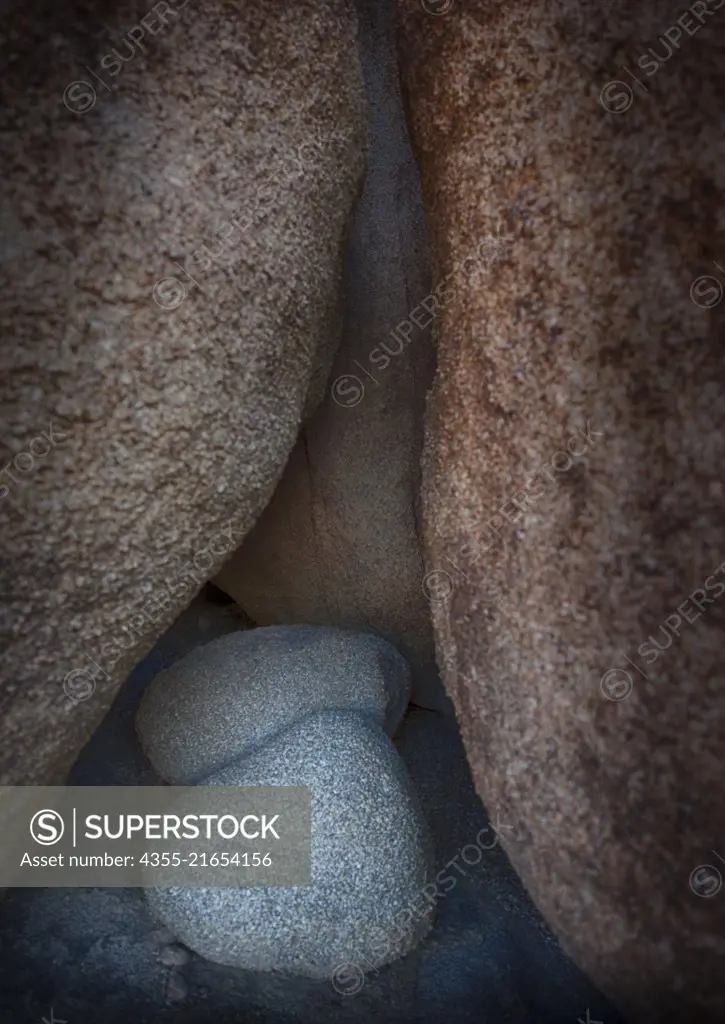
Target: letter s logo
<point>46,827</point>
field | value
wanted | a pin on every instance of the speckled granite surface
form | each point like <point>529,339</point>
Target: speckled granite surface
<point>93,954</point>
<point>573,478</point>
<point>172,247</point>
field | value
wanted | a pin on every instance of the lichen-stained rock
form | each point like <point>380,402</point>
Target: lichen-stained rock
<point>339,543</point>
<point>176,188</point>
<point>573,470</point>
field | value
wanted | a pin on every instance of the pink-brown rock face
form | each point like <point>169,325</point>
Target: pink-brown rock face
<point>339,543</point>
<point>573,469</point>
<point>177,185</point>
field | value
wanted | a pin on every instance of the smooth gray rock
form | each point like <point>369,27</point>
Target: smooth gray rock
<point>370,861</point>
<point>227,697</point>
